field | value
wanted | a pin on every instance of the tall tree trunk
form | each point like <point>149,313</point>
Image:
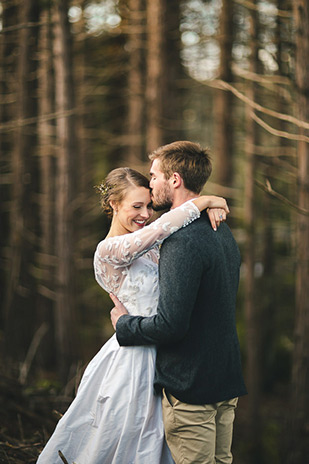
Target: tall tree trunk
<point>65,323</point>
<point>173,95</point>
<point>299,429</point>
<point>136,82</point>
<point>46,139</point>
<point>223,106</point>
<point>154,133</point>
<point>251,308</point>
<point>266,289</point>
<point>8,46</point>
<point>21,292</point>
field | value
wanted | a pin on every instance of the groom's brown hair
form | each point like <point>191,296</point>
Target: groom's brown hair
<point>189,159</point>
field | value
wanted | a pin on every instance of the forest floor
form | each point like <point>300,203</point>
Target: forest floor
<point>28,416</point>
<point>26,420</point>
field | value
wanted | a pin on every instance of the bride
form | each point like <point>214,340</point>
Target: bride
<point>115,417</point>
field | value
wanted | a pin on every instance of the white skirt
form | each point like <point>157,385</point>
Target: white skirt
<point>115,417</point>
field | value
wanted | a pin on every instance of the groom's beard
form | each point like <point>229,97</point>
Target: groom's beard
<point>162,200</point>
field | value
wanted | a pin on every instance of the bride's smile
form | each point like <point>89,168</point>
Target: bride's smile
<point>132,213</point>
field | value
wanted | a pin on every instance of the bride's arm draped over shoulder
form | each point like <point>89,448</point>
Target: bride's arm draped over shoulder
<point>123,249</point>
<point>115,253</point>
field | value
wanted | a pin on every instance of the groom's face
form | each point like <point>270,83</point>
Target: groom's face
<point>161,192</point>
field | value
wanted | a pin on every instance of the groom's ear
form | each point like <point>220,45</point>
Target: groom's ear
<point>176,180</point>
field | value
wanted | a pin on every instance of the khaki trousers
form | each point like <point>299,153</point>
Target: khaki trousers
<point>199,434</point>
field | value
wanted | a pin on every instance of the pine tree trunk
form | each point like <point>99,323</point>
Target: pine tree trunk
<point>251,308</point>
<point>223,107</point>
<point>299,425</point>
<point>46,139</point>
<point>154,74</point>
<point>173,95</point>
<point>65,324</point>
<point>21,289</point>
<point>8,46</point>
<point>136,102</point>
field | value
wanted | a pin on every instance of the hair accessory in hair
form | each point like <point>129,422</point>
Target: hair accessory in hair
<point>103,188</point>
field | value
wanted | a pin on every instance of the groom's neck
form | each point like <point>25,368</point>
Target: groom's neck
<point>181,196</point>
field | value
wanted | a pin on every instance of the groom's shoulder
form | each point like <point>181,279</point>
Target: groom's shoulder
<point>195,227</point>
<point>192,231</point>
<point>202,232</point>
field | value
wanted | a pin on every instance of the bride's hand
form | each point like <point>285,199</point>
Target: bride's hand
<point>217,208</point>
<point>216,216</point>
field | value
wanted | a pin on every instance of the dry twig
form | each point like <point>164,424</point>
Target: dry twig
<point>219,84</point>
<point>62,457</point>
<point>253,6</point>
<point>278,133</point>
<point>268,189</point>
<point>268,79</point>
<point>31,352</point>
<point>17,27</point>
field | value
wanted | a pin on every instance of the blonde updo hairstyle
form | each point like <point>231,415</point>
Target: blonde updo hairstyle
<point>116,184</point>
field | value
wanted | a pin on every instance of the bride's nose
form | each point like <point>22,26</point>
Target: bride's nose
<point>145,213</point>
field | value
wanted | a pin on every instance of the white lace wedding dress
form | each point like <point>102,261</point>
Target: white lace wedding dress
<point>115,417</point>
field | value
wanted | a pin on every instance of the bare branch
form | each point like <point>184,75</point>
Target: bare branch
<point>264,79</point>
<point>18,447</point>
<point>44,291</point>
<point>62,457</point>
<point>31,352</point>
<point>12,125</point>
<point>57,414</point>
<point>252,6</point>
<point>219,84</point>
<point>278,133</point>
<point>268,189</point>
<point>21,26</point>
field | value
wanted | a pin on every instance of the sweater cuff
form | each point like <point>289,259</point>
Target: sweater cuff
<point>122,333</point>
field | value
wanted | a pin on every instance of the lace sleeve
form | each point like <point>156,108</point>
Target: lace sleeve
<point>123,249</point>
<point>114,253</point>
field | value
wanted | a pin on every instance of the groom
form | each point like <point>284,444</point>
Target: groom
<point>198,367</point>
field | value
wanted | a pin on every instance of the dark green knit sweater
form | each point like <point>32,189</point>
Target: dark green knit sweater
<point>198,358</point>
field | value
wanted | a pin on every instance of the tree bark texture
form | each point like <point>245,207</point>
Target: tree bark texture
<point>46,140</point>
<point>251,307</point>
<point>173,95</point>
<point>223,107</point>
<point>65,324</point>
<point>154,74</point>
<point>299,426</point>
<point>20,290</point>
<point>8,50</point>
<point>136,85</point>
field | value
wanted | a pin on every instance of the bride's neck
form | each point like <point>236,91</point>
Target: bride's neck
<point>116,229</point>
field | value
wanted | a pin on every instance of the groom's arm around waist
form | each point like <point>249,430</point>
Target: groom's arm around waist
<point>180,272</point>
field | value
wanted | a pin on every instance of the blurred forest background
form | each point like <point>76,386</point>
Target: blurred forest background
<point>86,86</point>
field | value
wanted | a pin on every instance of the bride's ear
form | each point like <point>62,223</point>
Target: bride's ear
<point>114,206</point>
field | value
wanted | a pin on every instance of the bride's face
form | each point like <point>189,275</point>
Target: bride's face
<point>134,210</point>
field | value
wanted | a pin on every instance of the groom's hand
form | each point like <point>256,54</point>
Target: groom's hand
<point>118,311</point>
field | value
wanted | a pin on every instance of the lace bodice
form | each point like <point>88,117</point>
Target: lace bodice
<point>126,265</point>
